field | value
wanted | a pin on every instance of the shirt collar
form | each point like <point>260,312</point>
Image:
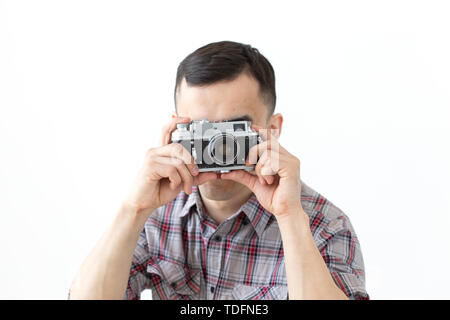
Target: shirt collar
<point>255,212</point>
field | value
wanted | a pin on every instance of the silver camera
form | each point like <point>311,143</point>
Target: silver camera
<point>217,146</point>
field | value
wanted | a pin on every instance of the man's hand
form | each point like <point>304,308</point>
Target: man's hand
<point>276,179</point>
<point>277,186</point>
<point>167,170</point>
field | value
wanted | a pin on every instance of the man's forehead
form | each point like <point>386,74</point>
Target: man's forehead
<point>221,101</point>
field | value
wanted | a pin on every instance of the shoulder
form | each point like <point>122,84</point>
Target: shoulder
<point>326,219</point>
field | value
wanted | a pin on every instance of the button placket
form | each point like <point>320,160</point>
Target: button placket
<point>215,263</point>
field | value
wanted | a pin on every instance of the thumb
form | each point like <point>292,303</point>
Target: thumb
<point>242,177</point>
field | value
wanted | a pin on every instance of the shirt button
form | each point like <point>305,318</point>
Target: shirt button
<point>218,238</point>
<point>212,289</point>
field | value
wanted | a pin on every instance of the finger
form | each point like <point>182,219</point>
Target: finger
<point>271,164</point>
<point>243,177</point>
<point>170,127</point>
<point>162,170</point>
<point>176,150</point>
<point>186,177</point>
<point>260,164</point>
<point>256,151</point>
<point>269,141</point>
<point>266,133</point>
<point>269,179</point>
<point>261,131</point>
<point>267,170</point>
<point>263,179</point>
<point>267,174</point>
<point>252,156</point>
<point>268,166</point>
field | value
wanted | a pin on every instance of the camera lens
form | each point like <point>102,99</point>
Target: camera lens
<point>223,149</point>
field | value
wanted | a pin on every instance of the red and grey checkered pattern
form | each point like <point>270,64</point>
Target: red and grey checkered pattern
<point>183,254</point>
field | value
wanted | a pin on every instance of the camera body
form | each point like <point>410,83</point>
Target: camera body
<point>217,146</point>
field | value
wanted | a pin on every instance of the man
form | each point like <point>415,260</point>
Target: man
<point>237,235</point>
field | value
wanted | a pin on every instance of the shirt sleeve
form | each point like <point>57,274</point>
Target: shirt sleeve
<point>139,278</point>
<point>342,254</point>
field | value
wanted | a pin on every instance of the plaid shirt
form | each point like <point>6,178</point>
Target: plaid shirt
<point>183,254</point>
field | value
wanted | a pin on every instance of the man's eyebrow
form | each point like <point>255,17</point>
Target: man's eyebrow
<point>245,117</point>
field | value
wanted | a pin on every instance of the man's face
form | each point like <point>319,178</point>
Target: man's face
<point>219,102</point>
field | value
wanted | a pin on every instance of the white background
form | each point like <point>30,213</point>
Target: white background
<point>364,88</point>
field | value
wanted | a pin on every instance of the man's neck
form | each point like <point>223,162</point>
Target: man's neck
<point>220,210</point>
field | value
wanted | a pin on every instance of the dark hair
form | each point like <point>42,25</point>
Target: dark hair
<point>225,61</point>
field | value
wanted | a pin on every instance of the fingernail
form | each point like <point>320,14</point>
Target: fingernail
<point>194,170</point>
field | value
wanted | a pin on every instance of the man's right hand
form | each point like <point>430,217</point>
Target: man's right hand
<point>166,171</point>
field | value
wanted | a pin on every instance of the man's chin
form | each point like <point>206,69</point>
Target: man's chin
<point>219,185</point>
<point>220,189</point>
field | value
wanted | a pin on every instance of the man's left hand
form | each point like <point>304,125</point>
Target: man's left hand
<point>276,178</point>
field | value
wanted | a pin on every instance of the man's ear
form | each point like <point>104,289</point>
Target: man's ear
<point>275,124</point>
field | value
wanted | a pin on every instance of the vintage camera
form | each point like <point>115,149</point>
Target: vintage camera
<point>217,146</point>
